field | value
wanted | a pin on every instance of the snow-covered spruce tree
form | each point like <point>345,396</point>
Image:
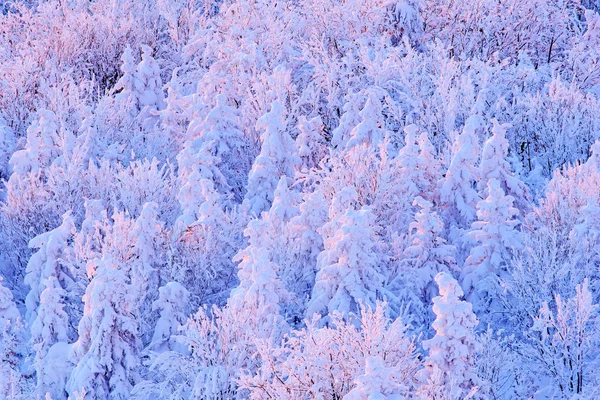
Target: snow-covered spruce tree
<point>494,165</point>
<point>201,255</point>
<point>190,198</point>
<point>29,207</point>
<point>398,186</point>
<point>450,367</point>
<point>49,262</point>
<point>279,240</point>
<point>260,289</point>
<point>430,168</point>
<point>458,194</point>
<point>349,119</point>
<point>223,344</point>
<point>148,83</point>
<point>307,239</point>
<point>11,381</point>
<point>7,148</point>
<point>497,238</point>
<point>221,135</point>
<point>311,144</point>
<point>171,304</point>
<point>140,85</point>
<point>278,157</point>
<point>126,85</point>
<point>285,204</point>
<point>87,243</point>
<point>426,256</point>
<point>349,273</point>
<point>131,131</point>
<point>413,172</point>
<point>342,201</point>
<point>146,263</point>
<point>106,353</point>
<point>50,328</point>
<point>378,382</point>
<point>370,130</point>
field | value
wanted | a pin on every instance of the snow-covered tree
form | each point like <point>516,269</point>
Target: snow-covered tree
<point>497,237</point>
<point>42,145</point>
<point>190,198</point>
<point>349,272</point>
<point>30,205</point>
<point>50,328</point>
<point>140,85</point>
<point>11,382</point>
<point>430,168</point>
<point>260,291</point>
<point>413,172</point>
<point>146,263</point>
<point>311,142</point>
<point>106,354</point>
<point>308,241</point>
<point>221,135</point>
<point>285,203</point>
<point>349,119</point>
<point>494,165</point>
<point>325,362</point>
<point>87,243</point>
<point>148,84</point>
<point>342,201</point>
<point>562,343</point>
<point>370,130</point>
<point>278,236</point>
<point>171,304</point>
<point>426,256</point>
<point>377,382</point>
<point>458,193</point>
<point>278,157</point>
<point>49,263</point>
<point>7,148</point>
<point>450,366</point>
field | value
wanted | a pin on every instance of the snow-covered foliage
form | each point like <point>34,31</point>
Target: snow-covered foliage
<point>278,157</point>
<point>106,354</point>
<point>349,272</point>
<point>450,366</point>
<point>210,199</point>
<point>496,238</point>
<point>171,304</point>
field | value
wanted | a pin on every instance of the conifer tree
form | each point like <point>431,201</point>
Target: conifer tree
<point>494,165</point>
<point>106,353</point>
<point>349,120</point>
<point>278,157</point>
<point>426,256</point>
<point>221,135</point>
<point>311,142</point>
<point>146,264</point>
<point>49,263</point>
<point>497,237</point>
<point>458,194</point>
<point>49,328</point>
<point>349,273</point>
<point>370,129</point>
<point>450,367</point>
<point>11,382</point>
<point>171,303</point>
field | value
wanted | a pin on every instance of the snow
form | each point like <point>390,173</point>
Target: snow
<point>375,199</point>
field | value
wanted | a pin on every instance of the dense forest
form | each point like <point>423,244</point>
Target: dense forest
<point>299,199</point>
